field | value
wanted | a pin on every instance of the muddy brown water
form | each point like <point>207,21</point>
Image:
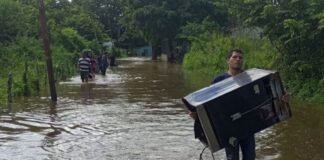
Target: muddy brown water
<point>135,113</point>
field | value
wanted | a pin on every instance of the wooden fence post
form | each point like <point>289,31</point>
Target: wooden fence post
<point>47,50</point>
<point>26,91</point>
<point>9,88</point>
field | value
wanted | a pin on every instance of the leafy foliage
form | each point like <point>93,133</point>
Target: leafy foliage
<point>161,22</point>
<point>209,50</point>
<point>295,31</point>
<point>107,12</point>
<point>72,40</point>
<point>292,34</point>
<point>9,11</point>
<point>295,28</point>
<point>71,29</point>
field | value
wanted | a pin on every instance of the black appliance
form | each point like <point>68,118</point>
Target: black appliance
<point>239,106</point>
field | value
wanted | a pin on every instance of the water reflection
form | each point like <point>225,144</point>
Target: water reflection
<point>54,130</point>
<point>135,112</point>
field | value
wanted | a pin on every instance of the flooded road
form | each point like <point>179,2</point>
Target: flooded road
<point>135,113</point>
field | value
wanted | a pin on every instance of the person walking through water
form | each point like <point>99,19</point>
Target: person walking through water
<point>93,66</point>
<point>98,66</point>
<point>247,144</point>
<point>84,66</point>
<point>88,54</point>
<point>112,58</point>
<point>104,63</point>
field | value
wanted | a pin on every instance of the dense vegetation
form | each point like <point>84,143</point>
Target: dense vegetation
<point>286,35</point>
<point>292,43</point>
<point>71,29</point>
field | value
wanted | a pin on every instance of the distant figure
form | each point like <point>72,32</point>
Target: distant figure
<point>112,59</point>
<point>84,66</point>
<point>99,63</point>
<point>93,66</point>
<point>88,54</point>
<point>104,64</point>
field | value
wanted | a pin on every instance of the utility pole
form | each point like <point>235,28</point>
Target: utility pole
<point>47,50</point>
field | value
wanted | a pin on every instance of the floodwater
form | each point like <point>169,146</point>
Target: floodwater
<point>135,113</point>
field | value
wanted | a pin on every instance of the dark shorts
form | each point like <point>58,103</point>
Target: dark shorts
<point>84,75</point>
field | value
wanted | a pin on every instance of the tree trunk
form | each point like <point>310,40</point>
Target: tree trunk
<point>155,52</point>
<point>169,50</point>
<point>9,88</point>
<point>47,50</point>
<point>25,80</point>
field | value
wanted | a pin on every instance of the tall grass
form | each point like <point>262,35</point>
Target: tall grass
<point>25,60</point>
<point>208,53</point>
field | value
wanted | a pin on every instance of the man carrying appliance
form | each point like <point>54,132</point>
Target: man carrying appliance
<point>247,144</point>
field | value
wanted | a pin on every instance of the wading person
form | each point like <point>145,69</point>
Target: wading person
<point>104,63</point>
<point>84,66</point>
<point>247,144</point>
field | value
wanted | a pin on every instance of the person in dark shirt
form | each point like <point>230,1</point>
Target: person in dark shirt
<point>104,63</point>
<point>235,62</point>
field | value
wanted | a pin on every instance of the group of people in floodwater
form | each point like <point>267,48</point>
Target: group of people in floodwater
<point>89,64</point>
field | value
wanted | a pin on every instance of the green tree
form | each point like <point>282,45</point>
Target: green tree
<point>107,12</point>
<point>65,14</point>
<point>161,21</point>
<point>295,29</point>
<point>11,18</point>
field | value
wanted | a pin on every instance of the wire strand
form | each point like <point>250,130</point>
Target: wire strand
<point>200,157</point>
<point>212,155</point>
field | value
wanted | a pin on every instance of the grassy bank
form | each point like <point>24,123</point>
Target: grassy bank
<point>27,65</point>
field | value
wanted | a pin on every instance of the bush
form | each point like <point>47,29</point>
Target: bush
<point>27,53</point>
<point>208,53</point>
